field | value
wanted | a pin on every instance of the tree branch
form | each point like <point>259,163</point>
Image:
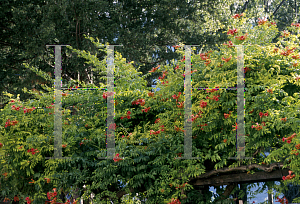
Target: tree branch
<point>241,168</point>
<point>244,7</point>
<point>278,7</point>
<point>257,151</point>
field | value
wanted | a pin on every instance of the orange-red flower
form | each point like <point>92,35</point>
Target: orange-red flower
<point>203,104</point>
<point>207,62</point>
<point>296,25</point>
<point>146,109</point>
<point>157,120</point>
<point>227,115</point>
<point>154,69</point>
<point>16,198</point>
<point>283,119</point>
<point>116,158</point>
<point>178,129</point>
<point>237,16</point>
<point>262,21</point>
<point>286,33</point>
<point>275,50</point>
<point>204,56</point>
<point>229,45</point>
<point>246,69</point>
<point>150,94</point>
<point>180,105</point>
<point>226,59</point>
<point>243,37</point>
<point>232,31</point>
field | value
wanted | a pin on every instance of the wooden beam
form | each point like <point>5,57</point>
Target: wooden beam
<point>228,179</point>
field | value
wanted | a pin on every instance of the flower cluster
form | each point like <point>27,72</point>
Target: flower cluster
<point>243,37</point>
<point>16,198</point>
<point>117,158</point>
<point>154,69</point>
<point>289,177</point>
<point>152,132</point>
<point>32,181</point>
<point>180,104</point>
<point>128,115</point>
<point>263,114</point>
<point>227,115</point>
<point>205,57</point>
<point>52,195</point>
<point>237,16</point>
<point>105,94</point>
<point>1,145</point>
<point>181,186</point>
<point>246,69</point>
<point>183,59</point>
<point>6,199</point>
<point>64,94</point>
<point>33,151</point>
<point>296,25</point>
<point>203,104</point>
<point>203,126</point>
<point>176,97</point>
<point>176,46</point>
<point>289,139</point>
<point>10,123</point>
<point>214,98</point>
<point>232,31</point>
<point>229,45</point>
<point>157,120</point>
<point>288,51</point>
<point>294,152</point>
<point>213,90</point>
<point>28,110</point>
<point>175,201</point>
<point>13,107</point>
<point>48,180</point>
<point>146,109</point>
<point>28,200</point>
<point>262,21</point>
<point>195,117</point>
<point>282,201</point>
<point>179,154</point>
<point>178,129</point>
<point>257,127</point>
<point>164,75</point>
<point>297,146</point>
<point>227,59</point>
<point>150,94</point>
<point>139,101</point>
<point>283,119</point>
<point>50,106</point>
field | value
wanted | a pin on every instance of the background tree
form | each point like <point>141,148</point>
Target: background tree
<point>28,26</point>
<point>151,141</point>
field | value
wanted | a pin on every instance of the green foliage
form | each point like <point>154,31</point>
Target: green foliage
<point>148,165</point>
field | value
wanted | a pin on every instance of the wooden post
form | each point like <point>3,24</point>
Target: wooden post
<point>240,201</point>
<point>270,197</point>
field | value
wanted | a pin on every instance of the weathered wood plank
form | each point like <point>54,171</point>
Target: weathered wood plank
<point>275,175</point>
